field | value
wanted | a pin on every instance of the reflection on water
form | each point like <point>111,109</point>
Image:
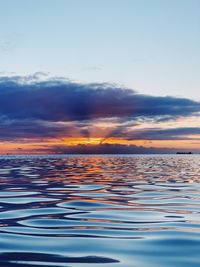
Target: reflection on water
<point>100,211</point>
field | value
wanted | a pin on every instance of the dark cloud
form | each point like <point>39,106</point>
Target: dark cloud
<point>56,107</point>
<point>62,100</point>
<point>40,130</point>
<point>163,134</point>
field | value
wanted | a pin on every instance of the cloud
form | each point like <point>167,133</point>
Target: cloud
<point>181,133</point>
<point>37,107</point>
<point>92,68</point>
<point>37,129</point>
<point>63,100</point>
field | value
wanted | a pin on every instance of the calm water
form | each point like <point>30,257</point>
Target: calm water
<point>137,211</point>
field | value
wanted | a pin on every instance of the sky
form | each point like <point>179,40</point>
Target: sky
<point>98,73</point>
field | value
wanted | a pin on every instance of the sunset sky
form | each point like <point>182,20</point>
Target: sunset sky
<point>109,73</point>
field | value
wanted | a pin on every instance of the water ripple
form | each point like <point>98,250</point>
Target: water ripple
<point>125,211</point>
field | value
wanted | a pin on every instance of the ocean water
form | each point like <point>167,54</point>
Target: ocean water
<point>130,211</point>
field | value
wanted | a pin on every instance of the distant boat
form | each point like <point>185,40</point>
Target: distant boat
<point>184,153</point>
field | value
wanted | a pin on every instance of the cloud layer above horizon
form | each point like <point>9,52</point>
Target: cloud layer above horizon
<point>35,109</point>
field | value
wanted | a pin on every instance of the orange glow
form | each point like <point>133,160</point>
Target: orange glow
<point>39,147</point>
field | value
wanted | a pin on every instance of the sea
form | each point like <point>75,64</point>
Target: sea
<point>100,210</point>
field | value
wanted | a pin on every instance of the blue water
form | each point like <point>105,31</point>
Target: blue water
<point>137,211</point>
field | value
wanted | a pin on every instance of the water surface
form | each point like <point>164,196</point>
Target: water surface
<point>130,211</point>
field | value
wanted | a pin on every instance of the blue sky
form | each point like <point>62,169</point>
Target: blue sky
<point>103,48</point>
<point>150,46</point>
